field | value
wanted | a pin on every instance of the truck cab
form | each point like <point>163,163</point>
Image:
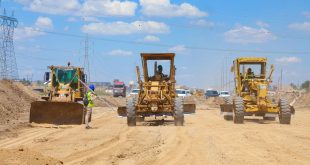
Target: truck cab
<point>119,89</point>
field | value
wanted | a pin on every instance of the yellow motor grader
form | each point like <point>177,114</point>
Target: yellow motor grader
<point>251,89</point>
<point>157,95</point>
<point>63,103</point>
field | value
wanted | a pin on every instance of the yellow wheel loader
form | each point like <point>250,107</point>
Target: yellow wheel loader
<point>157,95</point>
<point>251,90</point>
<point>63,103</point>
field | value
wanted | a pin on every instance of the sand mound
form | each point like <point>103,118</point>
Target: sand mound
<point>303,100</point>
<point>15,100</point>
<point>25,156</point>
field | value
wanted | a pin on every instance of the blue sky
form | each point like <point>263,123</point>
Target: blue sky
<point>205,35</point>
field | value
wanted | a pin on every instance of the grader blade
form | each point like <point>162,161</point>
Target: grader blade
<point>189,105</point>
<point>226,108</point>
<point>60,113</point>
<point>189,108</point>
<point>122,111</point>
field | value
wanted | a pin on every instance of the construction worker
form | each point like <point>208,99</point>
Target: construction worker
<point>89,108</point>
<point>159,76</point>
<point>249,73</point>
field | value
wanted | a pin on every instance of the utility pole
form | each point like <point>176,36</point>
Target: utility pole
<point>281,79</point>
<point>8,66</point>
<point>86,57</point>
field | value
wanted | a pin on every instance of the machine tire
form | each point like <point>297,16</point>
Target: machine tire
<point>228,100</point>
<point>178,112</point>
<point>285,112</point>
<point>131,113</point>
<point>238,110</point>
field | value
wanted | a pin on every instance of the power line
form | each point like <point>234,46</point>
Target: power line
<point>170,45</point>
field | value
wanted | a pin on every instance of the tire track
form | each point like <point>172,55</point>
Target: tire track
<point>95,151</point>
<point>26,138</point>
<point>178,148</point>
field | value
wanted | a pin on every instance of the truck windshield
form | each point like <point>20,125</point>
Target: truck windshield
<point>66,75</point>
<point>135,91</point>
<point>212,93</point>
<point>118,86</point>
<point>181,91</point>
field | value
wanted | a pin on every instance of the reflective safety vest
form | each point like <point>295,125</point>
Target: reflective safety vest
<point>90,101</point>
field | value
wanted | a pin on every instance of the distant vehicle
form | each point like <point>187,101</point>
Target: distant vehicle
<point>224,94</point>
<point>134,92</point>
<point>183,93</point>
<point>119,89</point>
<point>211,93</point>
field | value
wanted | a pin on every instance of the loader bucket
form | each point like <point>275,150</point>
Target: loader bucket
<point>189,108</point>
<point>226,108</point>
<point>59,113</point>
<point>122,111</point>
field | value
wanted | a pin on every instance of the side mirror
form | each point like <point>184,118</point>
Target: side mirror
<point>84,78</point>
<point>232,69</point>
<point>47,76</point>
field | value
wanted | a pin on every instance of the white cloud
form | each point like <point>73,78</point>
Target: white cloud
<point>305,26</point>
<point>178,49</point>
<point>288,60</point>
<point>57,7</point>
<point>306,14</point>
<point>119,52</point>
<point>22,33</point>
<point>262,24</point>
<point>164,8</point>
<point>203,23</point>
<point>81,8</point>
<point>108,8</point>
<point>123,28</point>
<point>247,35</point>
<point>44,23</point>
<point>151,38</point>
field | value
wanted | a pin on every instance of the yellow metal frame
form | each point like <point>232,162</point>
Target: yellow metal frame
<point>255,98</point>
<point>156,96</point>
<point>55,92</point>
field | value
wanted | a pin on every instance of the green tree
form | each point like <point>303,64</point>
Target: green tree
<point>294,86</point>
<point>306,86</point>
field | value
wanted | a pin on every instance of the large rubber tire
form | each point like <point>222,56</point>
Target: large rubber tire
<point>228,100</point>
<point>285,112</point>
<point>178,112</point>
<point>238,110</point>
<point>131,113</point>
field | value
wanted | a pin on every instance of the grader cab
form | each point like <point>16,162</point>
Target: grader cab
<point>251,89</point>
<point>157,95</point>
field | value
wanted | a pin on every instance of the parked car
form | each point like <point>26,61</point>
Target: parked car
<point>224,94</point>
<point>183,93</point>
<point>134,92</point>
<point>211,93</point>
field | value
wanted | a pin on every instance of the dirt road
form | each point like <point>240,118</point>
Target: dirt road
<point>206,138</point>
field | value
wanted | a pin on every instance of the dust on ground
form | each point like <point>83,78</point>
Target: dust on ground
<point>206,138</point>
<point>24,156</point>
